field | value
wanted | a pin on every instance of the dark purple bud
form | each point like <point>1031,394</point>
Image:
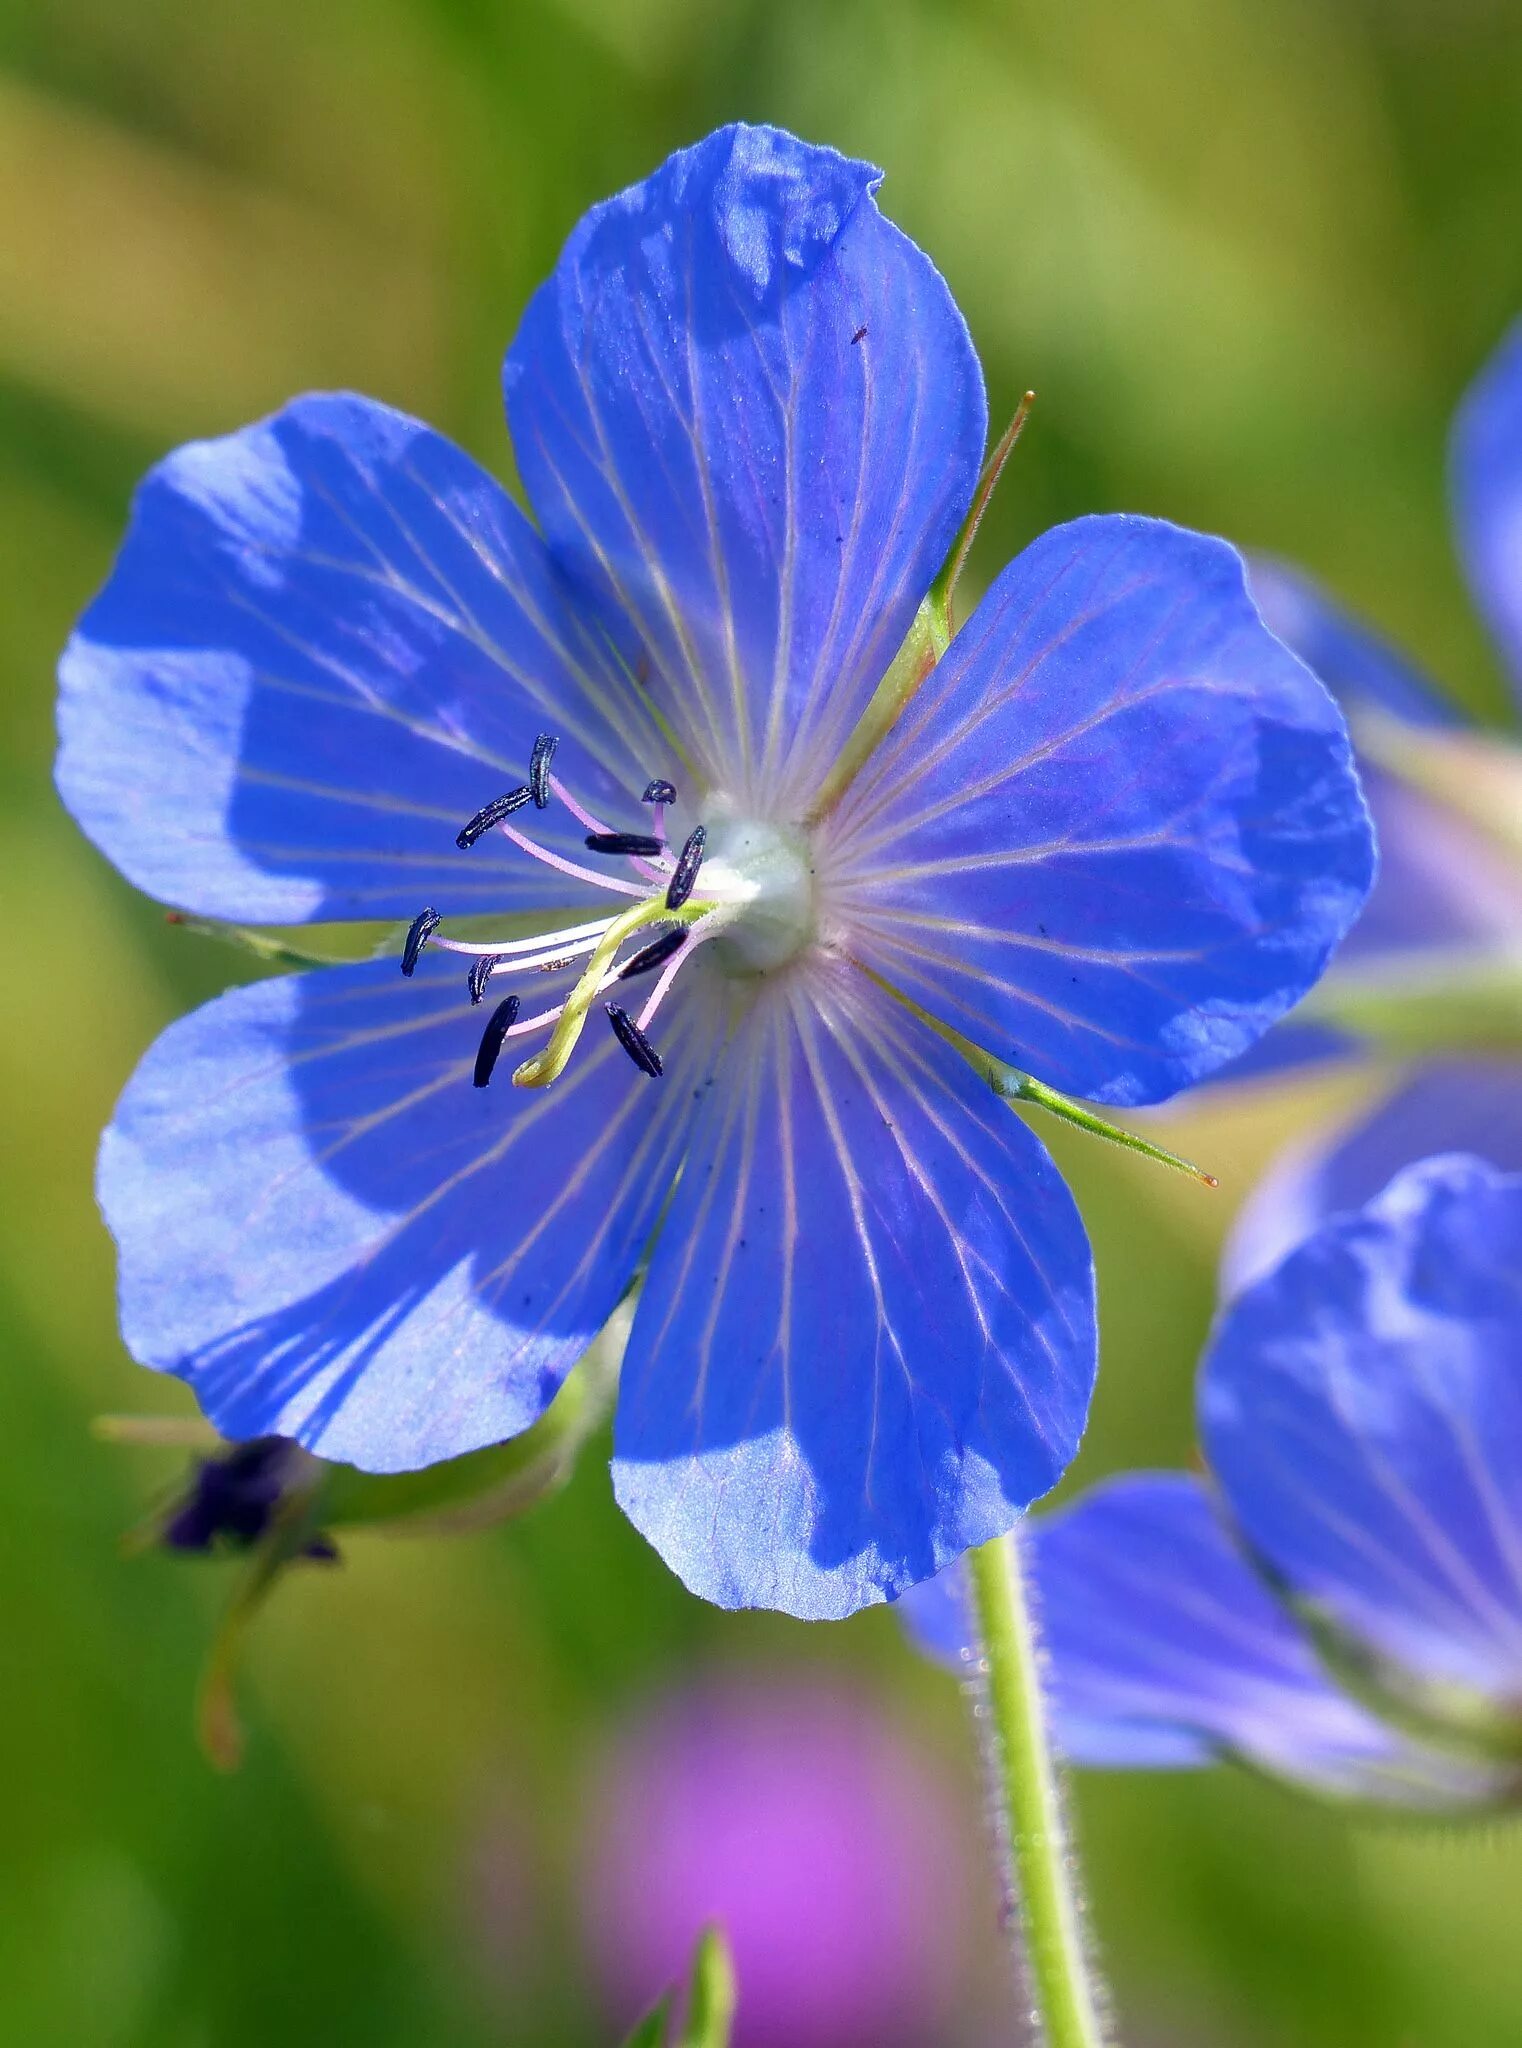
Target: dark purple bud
<point>233,1497</point>
<point>659,793</point>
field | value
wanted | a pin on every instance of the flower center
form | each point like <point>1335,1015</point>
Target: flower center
<point>743,885</point>
<point>760,879</point>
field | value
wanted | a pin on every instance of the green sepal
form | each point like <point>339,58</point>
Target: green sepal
<point>1456,1720</point>
<point>1011,1085</point>
<point>1430,1000</point>
<point>484,1486</point>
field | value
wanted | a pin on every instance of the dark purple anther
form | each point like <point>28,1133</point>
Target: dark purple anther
<point>641,844</point>
<point>634,1041</point>
<point>539,768</point>
<point>493,813</point>
<point>497,1028</point>
<point>688,861</point>
<point>419,932</point>
<point>480,975</point>
<point>656,954</point>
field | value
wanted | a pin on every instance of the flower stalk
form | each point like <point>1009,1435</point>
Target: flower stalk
<point>1039,1870</point>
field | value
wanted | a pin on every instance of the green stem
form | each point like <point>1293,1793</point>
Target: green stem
<point>1040,1872</point>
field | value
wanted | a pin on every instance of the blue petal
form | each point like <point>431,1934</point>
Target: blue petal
<point>1486,465</point>
<point>331,1235</point>
<point>1164,1649</point>
<point>1118,831</point>
<point>867,1336</point>
<point>748,413</point>
<point>1472,1105</point>
<point>328,640</point>
<point>1362,1408</point>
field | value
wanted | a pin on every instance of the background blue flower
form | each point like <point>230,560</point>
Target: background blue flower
<point>1449,892</point>
<point>1361,1414</point>
<point>1113,839</point>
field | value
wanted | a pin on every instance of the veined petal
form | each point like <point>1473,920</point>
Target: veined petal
<point>1362,1408</point>
<point>328,640</point>
<point>749,415</point>
<point>1471,1105</point>
<point>1485,457</point>
<point>1118,831</point>
<point>867,1336</point>
<point>1158,1631</point>
<point>331,1235</point>
<point>1165,1647</point>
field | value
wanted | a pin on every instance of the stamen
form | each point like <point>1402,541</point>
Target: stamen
<point>588,823</point>
<point>479,975</point>
<point>507,949</point>
<point>659,793</point>
<point>419,932</point>
<point>539,768</point>
<point>688,861</point>
<point>705,928</point>
<point>634,1041</point>
<point>656,954</point>
<point>493,813</point>
<point>570,867</point>
<point>643,845</point>
<point>491,1039</point>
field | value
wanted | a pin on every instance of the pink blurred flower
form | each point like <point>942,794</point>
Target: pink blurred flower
<point>830,1850</point>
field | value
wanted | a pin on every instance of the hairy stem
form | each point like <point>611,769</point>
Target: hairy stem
<point>1038,1866</point>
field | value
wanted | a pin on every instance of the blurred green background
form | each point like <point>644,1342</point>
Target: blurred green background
<point>1248,252</point>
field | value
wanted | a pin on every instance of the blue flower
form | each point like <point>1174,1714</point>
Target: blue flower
<point>1450,884</point>
<point>1361,1413</point>
<point>336,675</point>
